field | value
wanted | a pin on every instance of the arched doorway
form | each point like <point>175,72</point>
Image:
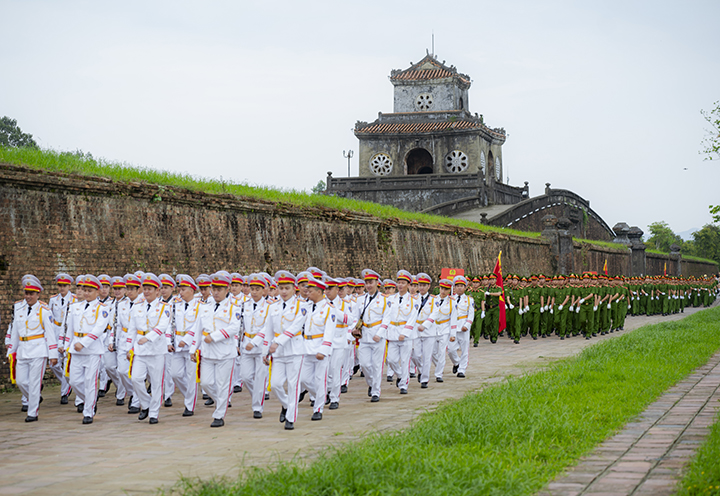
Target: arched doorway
<point>419,161</point>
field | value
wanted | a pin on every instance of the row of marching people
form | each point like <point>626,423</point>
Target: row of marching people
<point>297,335</point>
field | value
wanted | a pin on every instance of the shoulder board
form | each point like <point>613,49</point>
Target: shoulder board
<point>102,304</point>
<point>19,301</point>
<point>43,304</point>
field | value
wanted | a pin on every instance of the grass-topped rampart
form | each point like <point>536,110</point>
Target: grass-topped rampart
<point>512,438</point>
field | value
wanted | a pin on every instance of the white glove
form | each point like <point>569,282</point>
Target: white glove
<point>482,314</point>
<point>582,300</point>
<point>551,310</point>
<point>542,309</point>
<point>608,306</point>
<point>561,307</point>
<point>511,306</point>
<point>520,312</point>
<point>572,308</point>
<point>577,310</point>
<point>527,308</point>
<point>628,307</point>
<point>595,308</point>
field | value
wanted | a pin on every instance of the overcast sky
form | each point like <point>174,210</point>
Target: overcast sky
<point>602,98</point>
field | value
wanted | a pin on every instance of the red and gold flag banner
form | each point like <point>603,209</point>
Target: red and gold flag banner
<point>665,270</point>
<point>67,364</point>
<point>499,281</point>
<point>197,369</point>
<point>451,273</point>
<point>13,367</point>
<point>605,267</point>
<point>131,359</point>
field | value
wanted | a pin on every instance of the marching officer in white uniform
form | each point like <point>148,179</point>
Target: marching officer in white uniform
<point>372,320</point>
<point>147,329</point>
<point>111,355</point>
<point>287,349</point>
<point>59,305</point>
<point>217,345</point>
<point>342,337</point>
<point>237,285</point>
<point>403,310</point>
<point>167,289</point>
<point>425,343</point>
<point>318,335</point>
<point>188,323</point>
<point>108,365</point>
<point>253,372</point>
<point>87,325</point>
<point>444,321</point>
<point>123,342</point>
<point>32,342</point>
<point>466,314</point>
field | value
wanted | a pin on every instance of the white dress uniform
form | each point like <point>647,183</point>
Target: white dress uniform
<point>318,335</point>
<point>444,318</point>
<point>33,341</point>
<point>342,339</point>
<point>424,344</point>
<point>150,321</point>
<point>188,323</point>
<point>220,321</point>
<point>466,314</point>
<point>349,363</point>
<point>403,310</point>
<point>253,372</point>
<point>59,306</point>
<point>124,343</point>
<point>240,300</point>
<point>87,324</point>
<point>285,325</point>
<point>169,381</point>
<point>109,361</point>
<point>371,310</point>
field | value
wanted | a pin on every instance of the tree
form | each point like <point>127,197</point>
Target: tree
<point>662,237</point>
<point>12,136</point>
<point>319,187</point>
<point>706,242</point>
<point>711,145</point>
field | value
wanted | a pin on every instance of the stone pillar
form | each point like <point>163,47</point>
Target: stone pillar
<point>550,233</point>
<point>637,260</point>
<point>483,218</point>
<point>526,191</point>
<point>547,188</point>
<point>621,231</point>
<point>566,255</point>
<point>329,180</point>
<point>675,256</point>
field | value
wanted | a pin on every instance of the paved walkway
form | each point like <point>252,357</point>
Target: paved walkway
<point>117,453</point>
<point>647,456</point>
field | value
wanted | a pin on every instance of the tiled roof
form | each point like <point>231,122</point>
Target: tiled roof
<point>424,74</point>
<point>421,127</point>
<point>428,69</point>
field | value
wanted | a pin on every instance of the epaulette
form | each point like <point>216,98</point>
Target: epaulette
<point>101,303</point>
<point>43,304</point>
<point>19,301</point>
<point>177,299</point>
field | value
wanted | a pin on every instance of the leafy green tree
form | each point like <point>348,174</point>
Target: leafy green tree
<point>12,136</point>
<point>319,187</point>
<point>662,237</point>
<point>711,145</point>
<point>706,242</point>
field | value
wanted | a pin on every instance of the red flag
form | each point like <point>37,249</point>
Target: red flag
<point>665,270</point>
<point>499,280</point>
<point>605,267</point>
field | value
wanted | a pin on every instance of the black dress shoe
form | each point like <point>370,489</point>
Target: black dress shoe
<point>461,375</point>
<point>316,416</point>
<point>374,399</point>
<point>312,403</point>
<point>188,413</point>
<point>334,405</point>
<point>168,402</point>
<point>144,414</point>
<point>31,419</point>
<point>101,393</point>
<point>327,399</point>
<point>403,391</point>
<point>64,399</point>
<point>419,378</point>
<point>343,389</point>
<point>397,382</point>
<point>439,379</point>
<point>412,375</point>
<point>205,396</point>
<point>302,395</point>
<point>87,420</point>
<point>237,389</point>
<point>209,402</point>
<point>267,396</point>
<point>535,338</point>
<point>455,368</point>
<point>289,425</point>
<point>257,414</point>
<point>217,423</point>
<point>24,408</point>
<point>355,369</point>
<point>283,412</point>
<point>389,378</point>
<point>362,374</point>
<point>153,420</point>
<point>423,385</point>
<point>133,409</point>
<point>516,342</point>
<point>81,407</point>
<point>370,391</point>
<point>120,402</point>
<point>475,345</point>
<point>41,398</point>
<point>149,389</point>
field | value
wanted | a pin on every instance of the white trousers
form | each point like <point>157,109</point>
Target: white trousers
<point>84,375</point>
<point>169,387</point>
<point>336,366</point>
<point>371,360</point>
<point>254,375</point>
<point>237,381</point>
<point>184,372</point>
<point>463,342</point>
<point>29,374</point>
<point>286,371</point>
<point>416,356</point>
<point>123,368</point>
<point>111,367</point>
<point>349,363</point>
<point>313,377</point>
<point>425,347</point>
<point>439,354</point>
<point>152,368</point>
<point>216,379</point>
<point>59,372</point>
<point>398,359</point>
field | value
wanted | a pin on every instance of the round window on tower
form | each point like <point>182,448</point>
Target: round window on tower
<point>456,162</point>
<point>498,170</point>
<point>381,164</point>
<point>424,101</point>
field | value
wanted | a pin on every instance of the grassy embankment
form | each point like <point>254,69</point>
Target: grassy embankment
<point>510,439</point>
<point>702,476</point>
<point>686,257</point>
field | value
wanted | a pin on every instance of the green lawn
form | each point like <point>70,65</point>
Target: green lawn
<point>510,439</point>
<point>702,476</point>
